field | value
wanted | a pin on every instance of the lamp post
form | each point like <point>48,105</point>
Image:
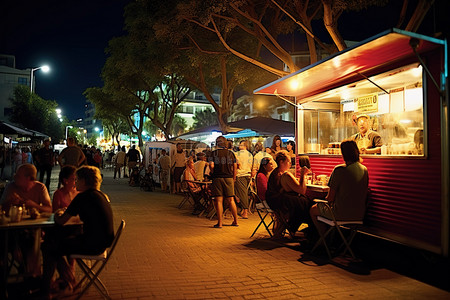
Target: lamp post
<point>45,69</point>
<point>67,127</point>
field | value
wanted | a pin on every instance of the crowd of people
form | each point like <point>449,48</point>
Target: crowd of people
<point>235,169</point>
<point>232,170</point>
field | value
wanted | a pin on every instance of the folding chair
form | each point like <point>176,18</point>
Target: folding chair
<point>97,264</point>
<point>337,225</point>
<point>186,195</point>
<point>263,210</point>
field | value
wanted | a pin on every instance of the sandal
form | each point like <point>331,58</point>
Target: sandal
<point>217,226</point>
<point>234,224</point>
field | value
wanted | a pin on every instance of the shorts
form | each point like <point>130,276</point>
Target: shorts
<point>324,210</point>
<point>222,187</point>
<point>132,164</point>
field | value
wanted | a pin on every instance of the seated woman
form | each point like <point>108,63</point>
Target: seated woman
<point>348,189</point>
<point>94,209</point>
<point>64,195</point>
<point>62,199</point>
<point>286,195</point>
<point>265,168</point>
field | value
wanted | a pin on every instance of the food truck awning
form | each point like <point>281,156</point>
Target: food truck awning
<point>350,65</point>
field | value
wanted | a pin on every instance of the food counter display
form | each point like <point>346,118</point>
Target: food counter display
<point>395,83</point>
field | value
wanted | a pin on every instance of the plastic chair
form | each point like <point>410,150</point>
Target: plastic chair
<point>263,210</point>
<point>337,225</point>
<point>98,263</point>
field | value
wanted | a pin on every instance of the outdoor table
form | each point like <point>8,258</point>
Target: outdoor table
<point>314,191</point>
<point>45,221</point>
<point>317,188</point>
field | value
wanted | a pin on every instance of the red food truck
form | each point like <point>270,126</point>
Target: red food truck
<point>399,80</point>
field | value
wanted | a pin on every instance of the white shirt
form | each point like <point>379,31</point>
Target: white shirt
<point>200,171</point>
<point>245,163</point>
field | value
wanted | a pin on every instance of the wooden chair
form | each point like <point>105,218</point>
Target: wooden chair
<point>97,264</point>
<point>337,225</point>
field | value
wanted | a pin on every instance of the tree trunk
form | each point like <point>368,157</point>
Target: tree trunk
<point>330,21</point>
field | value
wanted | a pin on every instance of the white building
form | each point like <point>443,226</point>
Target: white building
<point>10,77</point>
<point>195,102</point>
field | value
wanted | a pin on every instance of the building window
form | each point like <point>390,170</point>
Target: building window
<point>22,80</point>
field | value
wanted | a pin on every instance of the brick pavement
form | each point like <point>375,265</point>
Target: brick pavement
<point>167,253</point>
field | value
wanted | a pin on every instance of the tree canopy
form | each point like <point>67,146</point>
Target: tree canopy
<point>31,111</point>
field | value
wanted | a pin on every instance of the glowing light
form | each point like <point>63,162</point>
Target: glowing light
<point>45,69</point>
<point>294,84</point>
<point>417,72</point>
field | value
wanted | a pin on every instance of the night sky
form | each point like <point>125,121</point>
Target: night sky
<point>71,37</point>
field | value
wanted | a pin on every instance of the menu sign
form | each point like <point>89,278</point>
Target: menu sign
<point>367,104</point>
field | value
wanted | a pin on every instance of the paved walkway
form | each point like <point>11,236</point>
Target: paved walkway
<point>167,253</point>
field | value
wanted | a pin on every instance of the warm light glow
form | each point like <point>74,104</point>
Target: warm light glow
<point>417,72</point>
<point>294,84</point>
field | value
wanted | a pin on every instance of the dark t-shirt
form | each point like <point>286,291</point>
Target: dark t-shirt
<point>223,160</point>
<point>133,155</point>
<point>95,211</point>
<point>45,157</point>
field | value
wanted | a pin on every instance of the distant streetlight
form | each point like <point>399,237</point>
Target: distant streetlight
<point>67,127</point>
<point>97,129</point>
<point>44,69</point>
<point>58,113</point>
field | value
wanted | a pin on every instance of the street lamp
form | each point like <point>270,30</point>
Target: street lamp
<point>45,69</point>
<point>67,127</point>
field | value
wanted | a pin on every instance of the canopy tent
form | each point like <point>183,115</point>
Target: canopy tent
<point>10,129</point>
<point>257,126</point>
<point>6,128</point>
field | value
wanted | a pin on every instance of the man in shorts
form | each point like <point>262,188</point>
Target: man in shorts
<point>223,165</point>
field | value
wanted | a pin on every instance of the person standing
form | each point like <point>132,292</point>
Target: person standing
<point>45,159</point>
<point>178,167</point>
<point>244,169</point>
<point>119,161</point>
<point>277,144</point>
<point>164,167</point>
<point>223,172</point>
<point>133,158</point>
<point>72,155</point>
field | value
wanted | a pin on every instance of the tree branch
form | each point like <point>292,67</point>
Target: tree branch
<point>246,58</point>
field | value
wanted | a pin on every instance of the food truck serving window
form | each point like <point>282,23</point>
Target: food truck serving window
<point>383,113</point>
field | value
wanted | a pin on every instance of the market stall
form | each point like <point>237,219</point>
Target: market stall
<point>397,81</point>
